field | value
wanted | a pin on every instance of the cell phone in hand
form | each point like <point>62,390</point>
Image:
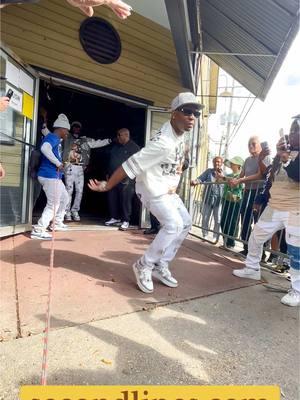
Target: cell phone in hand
<point>264,145</point>
<point>9,93</point>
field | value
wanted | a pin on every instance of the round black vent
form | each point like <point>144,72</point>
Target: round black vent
<point>100,40</point>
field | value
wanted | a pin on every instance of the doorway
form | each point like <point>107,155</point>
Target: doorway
<point>101,118</point>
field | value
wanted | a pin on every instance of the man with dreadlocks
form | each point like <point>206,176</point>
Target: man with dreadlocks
<point>282,212</point>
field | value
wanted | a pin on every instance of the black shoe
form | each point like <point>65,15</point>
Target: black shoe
<point>272,259</point>
<point>150,231</point>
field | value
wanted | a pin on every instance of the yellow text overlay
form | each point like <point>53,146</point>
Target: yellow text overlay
<point>150,393</point>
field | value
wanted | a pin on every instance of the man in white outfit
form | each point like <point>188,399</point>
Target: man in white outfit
<point>76,156</point>
<point>50,177</point>
<point>157,169</point>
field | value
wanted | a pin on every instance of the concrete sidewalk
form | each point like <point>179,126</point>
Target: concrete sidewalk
<point>213,329</point>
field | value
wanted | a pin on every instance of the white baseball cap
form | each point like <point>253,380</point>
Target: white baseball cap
<point>185,98</point>
<point>62,122</point>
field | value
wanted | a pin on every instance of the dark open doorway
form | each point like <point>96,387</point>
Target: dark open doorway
<point>100,118</point>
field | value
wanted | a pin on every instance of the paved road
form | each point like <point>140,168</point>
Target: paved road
<point>242,336</point>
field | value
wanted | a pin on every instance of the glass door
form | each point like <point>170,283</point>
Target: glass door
<point>156,117</point>
<point>16,142</point>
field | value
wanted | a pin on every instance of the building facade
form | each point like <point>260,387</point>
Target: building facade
<point>43,60</point>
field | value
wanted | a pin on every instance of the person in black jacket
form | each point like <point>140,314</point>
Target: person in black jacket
<point>120,197</point>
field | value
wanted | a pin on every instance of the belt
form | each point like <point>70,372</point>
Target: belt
<point>77,164</point>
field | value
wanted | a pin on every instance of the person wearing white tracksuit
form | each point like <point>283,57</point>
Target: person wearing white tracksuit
<point>157,169</point>
<point>50,177</point>
<point>282,212</point>
<point>76,156</point>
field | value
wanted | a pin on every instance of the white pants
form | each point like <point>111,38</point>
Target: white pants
<point>74,176</point>
<point>175,223</point>
<point>270,222</point>
<point>57,197</point>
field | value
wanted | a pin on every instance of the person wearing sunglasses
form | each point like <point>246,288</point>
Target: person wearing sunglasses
<point>157,169</point>
<point>282,212</point>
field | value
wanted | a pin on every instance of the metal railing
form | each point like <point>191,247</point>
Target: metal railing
<point>218,214</point>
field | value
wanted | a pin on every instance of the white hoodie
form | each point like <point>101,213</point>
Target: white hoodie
<point>157,167</point>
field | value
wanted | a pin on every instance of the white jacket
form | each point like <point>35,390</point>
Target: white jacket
<point>157,167</point>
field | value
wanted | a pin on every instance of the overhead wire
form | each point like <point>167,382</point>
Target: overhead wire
<point>238,126</point>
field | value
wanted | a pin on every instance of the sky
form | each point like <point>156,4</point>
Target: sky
<point>265,119</point>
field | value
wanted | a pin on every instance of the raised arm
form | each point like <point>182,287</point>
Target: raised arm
<point>103,186</point>
<point>95,144</point>
<point>121,9</point>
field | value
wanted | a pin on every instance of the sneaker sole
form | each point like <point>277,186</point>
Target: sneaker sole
<point>164,281</point>
<point>142,288</point>
<point>279,273</point>
<point>247,277</point>
<point>39,238</point>
<point>290,305</point>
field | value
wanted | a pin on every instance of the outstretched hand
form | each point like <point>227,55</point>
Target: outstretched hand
<point>97,186</point>
<point>4,102</point>
<point>121,9</point>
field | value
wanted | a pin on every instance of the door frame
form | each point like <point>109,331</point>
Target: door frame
<point>29,136</point>
<point>150,110</point>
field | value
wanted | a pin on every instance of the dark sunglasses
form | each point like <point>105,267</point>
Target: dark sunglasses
<point>189,111</point>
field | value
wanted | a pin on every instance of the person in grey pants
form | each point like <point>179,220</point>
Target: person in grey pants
<point>76,156</point>
<point>212,196</point>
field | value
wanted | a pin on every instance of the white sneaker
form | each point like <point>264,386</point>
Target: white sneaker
<point>59,227</point>
<point>40,235</point>
<point>112,221</point>
<point>164,275</point>
<point>68,216</point>
<point>143,277</point>
<point>124,226</point>
<point>291,299</point>
<point>249,273</point>
<point>75,216</point>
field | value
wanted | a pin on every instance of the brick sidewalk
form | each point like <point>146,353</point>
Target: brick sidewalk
<point>93,278</point>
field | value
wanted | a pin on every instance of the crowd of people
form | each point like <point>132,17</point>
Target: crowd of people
<point>259,190</point>
<point>71,154</point>
<point>260,198</point>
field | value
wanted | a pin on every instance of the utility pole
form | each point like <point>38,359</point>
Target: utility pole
<point>229,122</point>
